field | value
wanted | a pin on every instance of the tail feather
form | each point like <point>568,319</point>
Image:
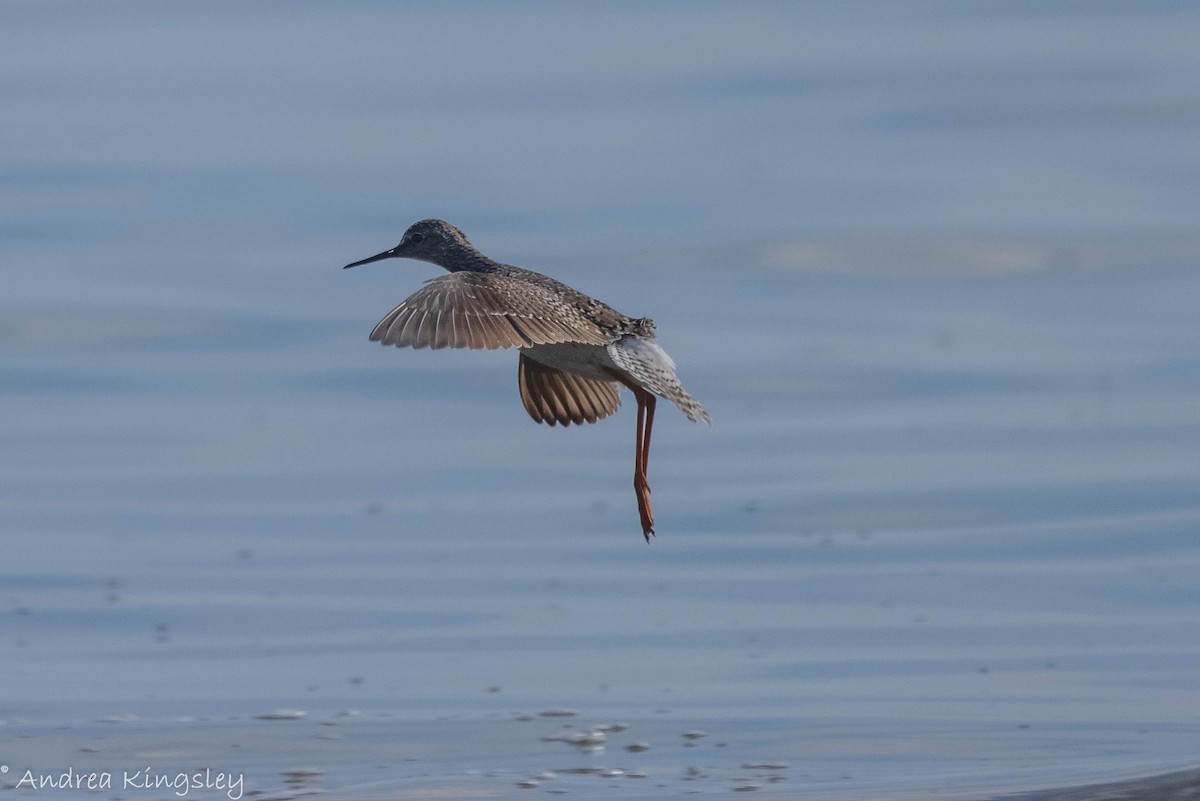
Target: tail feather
<point>647,363</point>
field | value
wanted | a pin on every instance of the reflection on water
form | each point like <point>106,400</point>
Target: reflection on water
<point>940,537</point>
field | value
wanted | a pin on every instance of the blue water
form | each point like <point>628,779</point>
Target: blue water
<point>931,267</point>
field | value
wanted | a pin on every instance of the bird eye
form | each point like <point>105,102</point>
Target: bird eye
<point>416,239</point>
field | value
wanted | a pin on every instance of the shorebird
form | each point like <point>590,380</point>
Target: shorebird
<point>574,350</point>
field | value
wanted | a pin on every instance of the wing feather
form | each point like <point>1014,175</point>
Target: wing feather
<point>484,311</point>
<point>554,397</point>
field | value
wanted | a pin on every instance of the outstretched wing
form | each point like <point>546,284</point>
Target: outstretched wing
<point>484,310</point>
<point>552,396</point>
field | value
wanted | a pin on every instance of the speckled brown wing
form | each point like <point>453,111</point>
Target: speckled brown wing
<point>552,396</point>
<point>483,310</point>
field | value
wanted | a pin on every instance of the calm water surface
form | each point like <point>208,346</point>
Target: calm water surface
<point>931,268</point>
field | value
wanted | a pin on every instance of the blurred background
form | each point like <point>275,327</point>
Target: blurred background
<point>932,267</point>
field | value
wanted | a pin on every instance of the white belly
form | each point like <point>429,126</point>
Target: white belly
<point>587,361</point>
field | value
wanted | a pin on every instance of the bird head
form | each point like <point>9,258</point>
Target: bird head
<point>435,241</point>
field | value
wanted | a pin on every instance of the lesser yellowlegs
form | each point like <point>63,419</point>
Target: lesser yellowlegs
<point>574,350</point>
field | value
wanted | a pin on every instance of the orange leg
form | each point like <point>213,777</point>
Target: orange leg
<point>646,402</point>
<point>645,424</point>
<point>651,402</point>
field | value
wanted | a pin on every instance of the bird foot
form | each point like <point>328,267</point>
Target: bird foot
<point>642,490</point>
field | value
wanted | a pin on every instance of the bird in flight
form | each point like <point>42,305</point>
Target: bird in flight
<point>574,350</point>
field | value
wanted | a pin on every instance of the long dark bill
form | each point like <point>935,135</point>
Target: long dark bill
<point>387,254</point>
